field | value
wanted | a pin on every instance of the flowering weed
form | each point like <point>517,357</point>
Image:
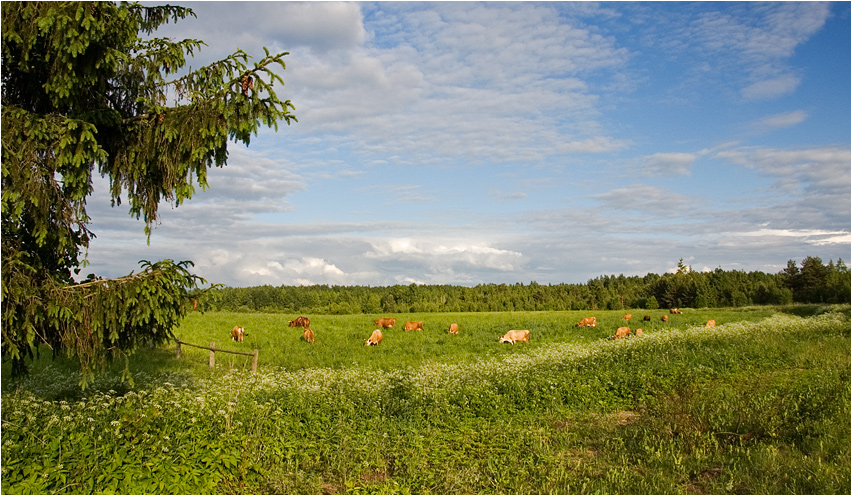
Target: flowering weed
<point>756,405</point>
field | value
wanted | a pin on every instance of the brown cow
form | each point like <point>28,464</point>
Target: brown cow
<point>622,332</point>
<point>515,336</point>
<point>385,322</point>
<point>238,333</point>
<point>711,323</point>
<point>413,326</point>
<point>301,322</point>
<point>665,318</point>
<point>454,329</point>
<point>374,339</point>
<point>627,317</point>
<point>308,335</point>
<point>588,321</point>
<point>647,318</point>
<point>639,333</point>
<point>675,310</point>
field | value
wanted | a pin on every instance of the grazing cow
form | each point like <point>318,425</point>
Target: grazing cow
<point>238,333</point>
<point>711,323</point>
<point>374,338</point>
<point>665,318</point>
<point>588,321</point>
<point>639,333</point>
<point>675,310</point>
<point>385,322</point>
<point>515,336</point>
<point>622,332</point>
<point>413,326</point>
<point>647,318</point>
<point>627,317</point>
<point>301,322</point>
<point>454,329</point>
<point>308,335</point>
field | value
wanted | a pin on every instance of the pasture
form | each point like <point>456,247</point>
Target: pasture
<point>340,338</point>
<point>759,404</point>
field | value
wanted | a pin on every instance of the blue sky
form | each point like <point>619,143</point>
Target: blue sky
<point>465,143</point>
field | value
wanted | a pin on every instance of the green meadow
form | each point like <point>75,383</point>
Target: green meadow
<point>759,404</point>
<point>339,339</point>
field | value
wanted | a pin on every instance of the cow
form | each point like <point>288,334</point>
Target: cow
<point>711,323</point>
<point>627,317</point>
<point>454,329</point>
<point>665,318</point>
<point>647,318</point>
<point>675,311</point>
<point>385,322</point>
<point>301,322</point>
<point>515,336</point>
<point>238,333</point>
<point>639,333</point>
<point>374,339</point>
<point>413,326</point>
<point>622,332</point>
<point>308,335</point>
<point>588,321</point>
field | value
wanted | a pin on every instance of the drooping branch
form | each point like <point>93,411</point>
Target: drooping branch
<point>81,89</point>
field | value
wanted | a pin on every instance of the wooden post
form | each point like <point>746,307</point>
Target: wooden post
<point>212,355</point>
<point>178,347</point>
<point>254,361</point>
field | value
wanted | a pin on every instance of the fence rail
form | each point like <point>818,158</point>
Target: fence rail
<point>213,351</point>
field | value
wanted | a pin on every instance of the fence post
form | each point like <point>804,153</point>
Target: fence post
<point>212,354</point>
<point>178,347</point>
<point>254,361</point>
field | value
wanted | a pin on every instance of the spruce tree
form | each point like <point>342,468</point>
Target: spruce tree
<point>86,90</point>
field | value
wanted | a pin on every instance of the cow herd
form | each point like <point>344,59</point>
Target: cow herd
<point>623,332</point>
<point>377,336</point>
<point>238,332</point>
<point>511,337</point>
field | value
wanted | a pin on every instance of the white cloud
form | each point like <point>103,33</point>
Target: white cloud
<point>752,39</point>
<point>403,106</point>
<point>432,257</point>
<point>225,26</point>
<point>786,119</point>
<point>668,164</point>
<point>771,88</point>
<point>810,236</point>
<point>821,173</point>
<point>648,200</point>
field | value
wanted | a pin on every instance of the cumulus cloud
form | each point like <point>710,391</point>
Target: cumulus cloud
<point>435,257</point>
<point>224,26</point>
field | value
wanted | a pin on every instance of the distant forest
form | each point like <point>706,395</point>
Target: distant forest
<point>810,282</point>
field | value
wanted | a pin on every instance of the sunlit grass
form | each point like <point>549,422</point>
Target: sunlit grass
<point>757,405</point>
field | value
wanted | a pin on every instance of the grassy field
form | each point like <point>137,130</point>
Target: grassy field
<point>761,404</point>
<point>340,338</point>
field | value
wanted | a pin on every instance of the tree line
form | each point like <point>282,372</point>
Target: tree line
<point>811,282</point>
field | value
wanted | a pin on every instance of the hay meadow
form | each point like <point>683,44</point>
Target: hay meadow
<point>758,404</point>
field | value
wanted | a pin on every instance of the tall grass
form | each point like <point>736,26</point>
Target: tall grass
<point>758,405</point>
